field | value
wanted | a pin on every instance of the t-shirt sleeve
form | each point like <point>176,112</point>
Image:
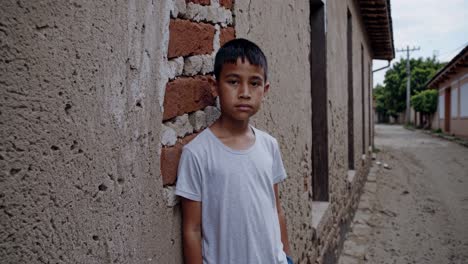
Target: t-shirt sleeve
<point>279,173</point>
<point>189,177</point>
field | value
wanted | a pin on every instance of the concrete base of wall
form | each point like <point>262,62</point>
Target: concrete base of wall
<point>331,256</point>
<point>331,238</point>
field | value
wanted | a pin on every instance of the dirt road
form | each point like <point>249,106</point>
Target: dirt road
<point>421,206</point>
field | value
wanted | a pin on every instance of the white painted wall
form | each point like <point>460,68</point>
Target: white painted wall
<point>464,100</point>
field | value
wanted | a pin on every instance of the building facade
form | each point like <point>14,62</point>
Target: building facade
<point>99,97</point>
<point>452,84</point>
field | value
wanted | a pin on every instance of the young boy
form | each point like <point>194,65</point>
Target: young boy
<point>228,175</point>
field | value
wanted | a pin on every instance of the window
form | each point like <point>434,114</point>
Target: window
<point>441,106</point>
<point>454,103</point>
<point>464,100</point>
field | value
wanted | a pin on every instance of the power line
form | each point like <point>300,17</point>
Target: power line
<point>408,81</point>
<point>454,50</point>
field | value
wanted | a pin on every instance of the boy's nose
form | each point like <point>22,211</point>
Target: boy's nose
<point>244,91</point>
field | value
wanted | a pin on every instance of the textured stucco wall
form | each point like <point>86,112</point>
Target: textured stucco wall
<point>81,117</point>
<point>337,82</point>
<point>344,195</point>
<point>82,89</point>
<point>337,73</point>
<point>281,29</point>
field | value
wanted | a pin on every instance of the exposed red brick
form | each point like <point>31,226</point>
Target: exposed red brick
<point>189,38</point>
<point>226,3</point>
<point>170,157</point>
<point>188,94</point>
<point>169,161</point>
<point>201,2</point>
<point>226,35</point>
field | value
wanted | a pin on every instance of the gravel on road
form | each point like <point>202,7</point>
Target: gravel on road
<point>419,211</point>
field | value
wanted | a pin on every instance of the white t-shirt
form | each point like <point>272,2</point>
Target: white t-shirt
<point>239,218</point>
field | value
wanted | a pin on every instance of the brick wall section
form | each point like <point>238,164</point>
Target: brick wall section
<point>196,30</point>
<point>200,2</point>
<point>226,3</point>
<point>189,38</point>
<point>226,35</point>
<point>187,94</point>
<point>170,157</point>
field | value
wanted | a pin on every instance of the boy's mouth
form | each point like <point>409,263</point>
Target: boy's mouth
<point>244,107</point>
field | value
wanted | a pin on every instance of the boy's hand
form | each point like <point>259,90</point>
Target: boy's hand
<point>191,229</point>
<point>282,222</point>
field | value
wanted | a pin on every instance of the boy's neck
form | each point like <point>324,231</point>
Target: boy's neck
<point>231,126</point>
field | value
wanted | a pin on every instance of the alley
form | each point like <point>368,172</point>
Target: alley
<point>418,209</point>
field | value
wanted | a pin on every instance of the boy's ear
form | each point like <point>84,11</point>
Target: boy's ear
<point>214,86</point>
<point>266,88</point>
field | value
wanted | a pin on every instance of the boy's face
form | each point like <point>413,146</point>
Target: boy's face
<point>241,88</point>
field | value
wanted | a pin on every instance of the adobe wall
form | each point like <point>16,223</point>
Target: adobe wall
<point>98,99</point>
<point>81,113</point>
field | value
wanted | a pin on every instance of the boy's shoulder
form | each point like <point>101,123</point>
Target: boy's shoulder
<point>264,136</point>
<point>202,140</point>
<point>198,142</point>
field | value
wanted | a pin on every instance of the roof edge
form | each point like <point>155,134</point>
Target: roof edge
<point>442,71</point>
<point>377,19</point>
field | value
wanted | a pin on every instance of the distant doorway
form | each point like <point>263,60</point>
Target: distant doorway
<point>349,62</point>
<point>447,110</point>
<point>318,75</point>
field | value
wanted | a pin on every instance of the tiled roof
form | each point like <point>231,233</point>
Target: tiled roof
<point>377,19</point>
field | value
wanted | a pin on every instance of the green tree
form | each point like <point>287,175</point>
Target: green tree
<point>391,97</point>
<point>425,102</point>
<point>381,102</point>
<point>379,99</point>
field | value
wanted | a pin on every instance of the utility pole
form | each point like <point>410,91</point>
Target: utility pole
<point>408,81</point>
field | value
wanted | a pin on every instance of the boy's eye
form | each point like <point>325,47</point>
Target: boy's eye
<point>233,82</point>
<point>255,84</point>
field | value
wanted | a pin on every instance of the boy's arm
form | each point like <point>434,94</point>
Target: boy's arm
<point>282,222</point>
<point>191,229</point>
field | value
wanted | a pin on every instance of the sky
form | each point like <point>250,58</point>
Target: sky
<point>437,27</point>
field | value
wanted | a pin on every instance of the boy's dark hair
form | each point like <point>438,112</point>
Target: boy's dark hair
<point>240,48</point>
